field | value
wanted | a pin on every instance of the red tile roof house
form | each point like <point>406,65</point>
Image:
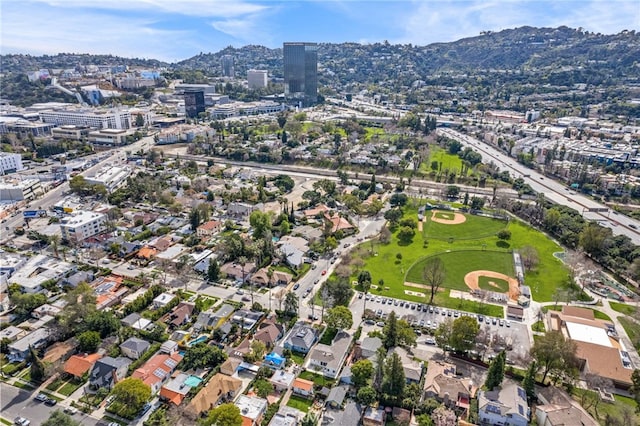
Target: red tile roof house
<point>209,228</point>
<point>157,370</point>
<point>78,365</point>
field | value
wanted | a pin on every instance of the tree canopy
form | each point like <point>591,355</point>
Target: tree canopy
<point>132,393</point>
<point>202,356</point>
<point>339,317</point>
<point>223,415</point>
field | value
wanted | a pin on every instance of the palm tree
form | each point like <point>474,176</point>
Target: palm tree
<point>242,260</point>
<point>54,240</point>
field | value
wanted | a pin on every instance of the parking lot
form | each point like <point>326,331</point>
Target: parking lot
<point>495,334</point>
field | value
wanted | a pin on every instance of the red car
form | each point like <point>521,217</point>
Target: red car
<point>324,272</point>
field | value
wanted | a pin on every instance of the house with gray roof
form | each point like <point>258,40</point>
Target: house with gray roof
<point>504,405</point>
<point>19,350</point>
<point>134,347</point>
<point>349,416</point>
<point>368,347</point>
<point>328,359</point>
<point>336,396</point>
<point>412,369</point>
<point>108,371</point>
<point>136,321</point>
<point>301,338</point>
<point>246,319</point>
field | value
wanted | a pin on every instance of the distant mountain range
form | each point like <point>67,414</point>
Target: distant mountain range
<point>524,49</point>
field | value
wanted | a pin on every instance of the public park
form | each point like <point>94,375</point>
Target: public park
<point>475,250</point>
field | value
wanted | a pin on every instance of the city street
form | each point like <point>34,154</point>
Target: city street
<point>16,402</point>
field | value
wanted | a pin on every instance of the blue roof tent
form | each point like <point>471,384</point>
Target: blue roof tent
<point>275,360</point>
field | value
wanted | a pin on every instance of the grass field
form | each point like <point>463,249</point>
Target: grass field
<point>633,330</point>
<point>623,308</point>
<point>300,403</point>
<point>449,161</point>
<point>382,261</point>
<point>615,409</point>
<point>493,284</point>
<point>474,227</point>
<point>457,264</point>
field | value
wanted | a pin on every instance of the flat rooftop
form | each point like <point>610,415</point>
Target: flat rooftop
<point>588,334</point>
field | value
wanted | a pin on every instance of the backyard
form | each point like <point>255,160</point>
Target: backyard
<point>300,403</point>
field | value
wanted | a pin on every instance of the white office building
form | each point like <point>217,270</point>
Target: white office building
<point>10,163</point>
<point>39,269</point>
<point>97,118</point>
<point>257,79</point>
<point>111,177</point>
<point>82,224</point>
<point>27,189</point>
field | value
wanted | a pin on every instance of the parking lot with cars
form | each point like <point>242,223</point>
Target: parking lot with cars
<point>495,334</point>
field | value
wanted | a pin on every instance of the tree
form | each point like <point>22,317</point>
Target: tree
<point>553,351</point>
<point>309,420</point>
<point>291,304</point>
<point>132,393</point>
<point>504,234</point>
<point>529,256</point>
<point>442,416</point>
<point>263,388</point>
<point>463,333</point>
<point>361,373</point>
<point>398,200</point>
<point>406,234</point>
<point>434,274</point>
<point>381,355</point>
<point>394,380</point>
<point>393,216</point>
<point>213,271</point>
<point>202,355</point>
<point>529,381</point>
<point>260,222</point>
<point>89,341</point>
<point>366,396</point>
<point>477,203</point>
<point>224,415</point>
<point>592,239</point>
<point>258,349</point>
<point>495,374</point>
<point>37,369</point>
<point>339,291</point>
<point>54,240</point>
<point>390,331</point>
<point>443,334</point>
<point>452,191</point>
<point>406,334</point>
<point>58,418</point>
<point>339,317</point>
<point>635,388</point>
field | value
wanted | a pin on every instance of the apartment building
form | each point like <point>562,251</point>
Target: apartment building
<point>82,224</point>
<point>10,163</point>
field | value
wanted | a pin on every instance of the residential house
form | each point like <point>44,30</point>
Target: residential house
<point>19,350</point>
<point>230,366</point>
<point>336,396</point>
<point>252,409</point>
<point>301,338</point>
<point>505,405</point>
<point>176,389</point>
<point>157,370</point>
<point>169,347</point>
<point>246,319</point>
<point>368,347</point>
<point>401,416</point>
<point>302,387</point>
<point>412,369</point>
<point>219,389</point>
<point>558,408</point>
<point>269,333</point>
<point>45,309</point>
<point>442,384</point>
<point>328,359</point>
<point>57,353</point>
<point>242,210</point>
<point>134,347</point>
<point>78,365</point>
<point>349,416</point>
<point>373,417</point>
<point>180,315</point>
<point>261,278</point>
<point>339,223</point>
<point>236,271</point>
<point>316,211</point>
<point>12,333</point>
<point>274,361</point>
<point>162,300</point>
<point>135,321</point>
<point>286,416</point>
<point>210,320</point>
<point>282,380</point>
<point>209,228</point>
<point>108,371</point>
<point>292,256</point>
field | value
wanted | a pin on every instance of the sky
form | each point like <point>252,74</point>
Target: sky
<point>173,30</point>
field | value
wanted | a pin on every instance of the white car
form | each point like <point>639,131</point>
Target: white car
<point>21,421</point>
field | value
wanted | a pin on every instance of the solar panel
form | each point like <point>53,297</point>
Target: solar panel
<point>493,409</point>
<point>521,393</point>
<point>520,410</point>
<point>160,373</point>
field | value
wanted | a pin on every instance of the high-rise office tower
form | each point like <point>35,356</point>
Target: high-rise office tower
<point>301,72</point>
<point>228,66</point>
<point>193,102</point>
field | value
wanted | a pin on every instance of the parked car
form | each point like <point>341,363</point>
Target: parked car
<point>430,341</point>
<point>296,286</point>
<point>70,410</point>
<point>50,402</point>
<point>41,397</point>
<point>324,272</point>
<point>21,421</point>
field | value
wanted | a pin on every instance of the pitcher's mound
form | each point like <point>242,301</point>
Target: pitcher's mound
<point>471,280</point>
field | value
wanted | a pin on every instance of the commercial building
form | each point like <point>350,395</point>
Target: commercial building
<point>71,132</point>
<point>10,163</point>
<point>39,269</point>
<point>109,137</point>
<point>26,189</point>
<point>234,109</point>
<point>111,177</point>
<point>257,79</point>
<point>82,224</point>
<point>193,102</point>
<point>97,118</point>
<point>301,73</point>
<point>227,62</point>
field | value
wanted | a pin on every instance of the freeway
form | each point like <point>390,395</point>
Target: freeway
<point>554,191</point>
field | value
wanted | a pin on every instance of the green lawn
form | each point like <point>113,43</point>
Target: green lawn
<point>317,379</point>
<point>633,330</point>
<point>493,284</point>
<point>600,315</point>
<point>538,326</point>
<point>70,387</point>
<point>614,409</point>
<point>473,228</point>
<point>449,161</point>
<point>298,358</point>
<point>623,308</point>
<point>300,403</point>
<point>382,261</point>
<point>457,264</point>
